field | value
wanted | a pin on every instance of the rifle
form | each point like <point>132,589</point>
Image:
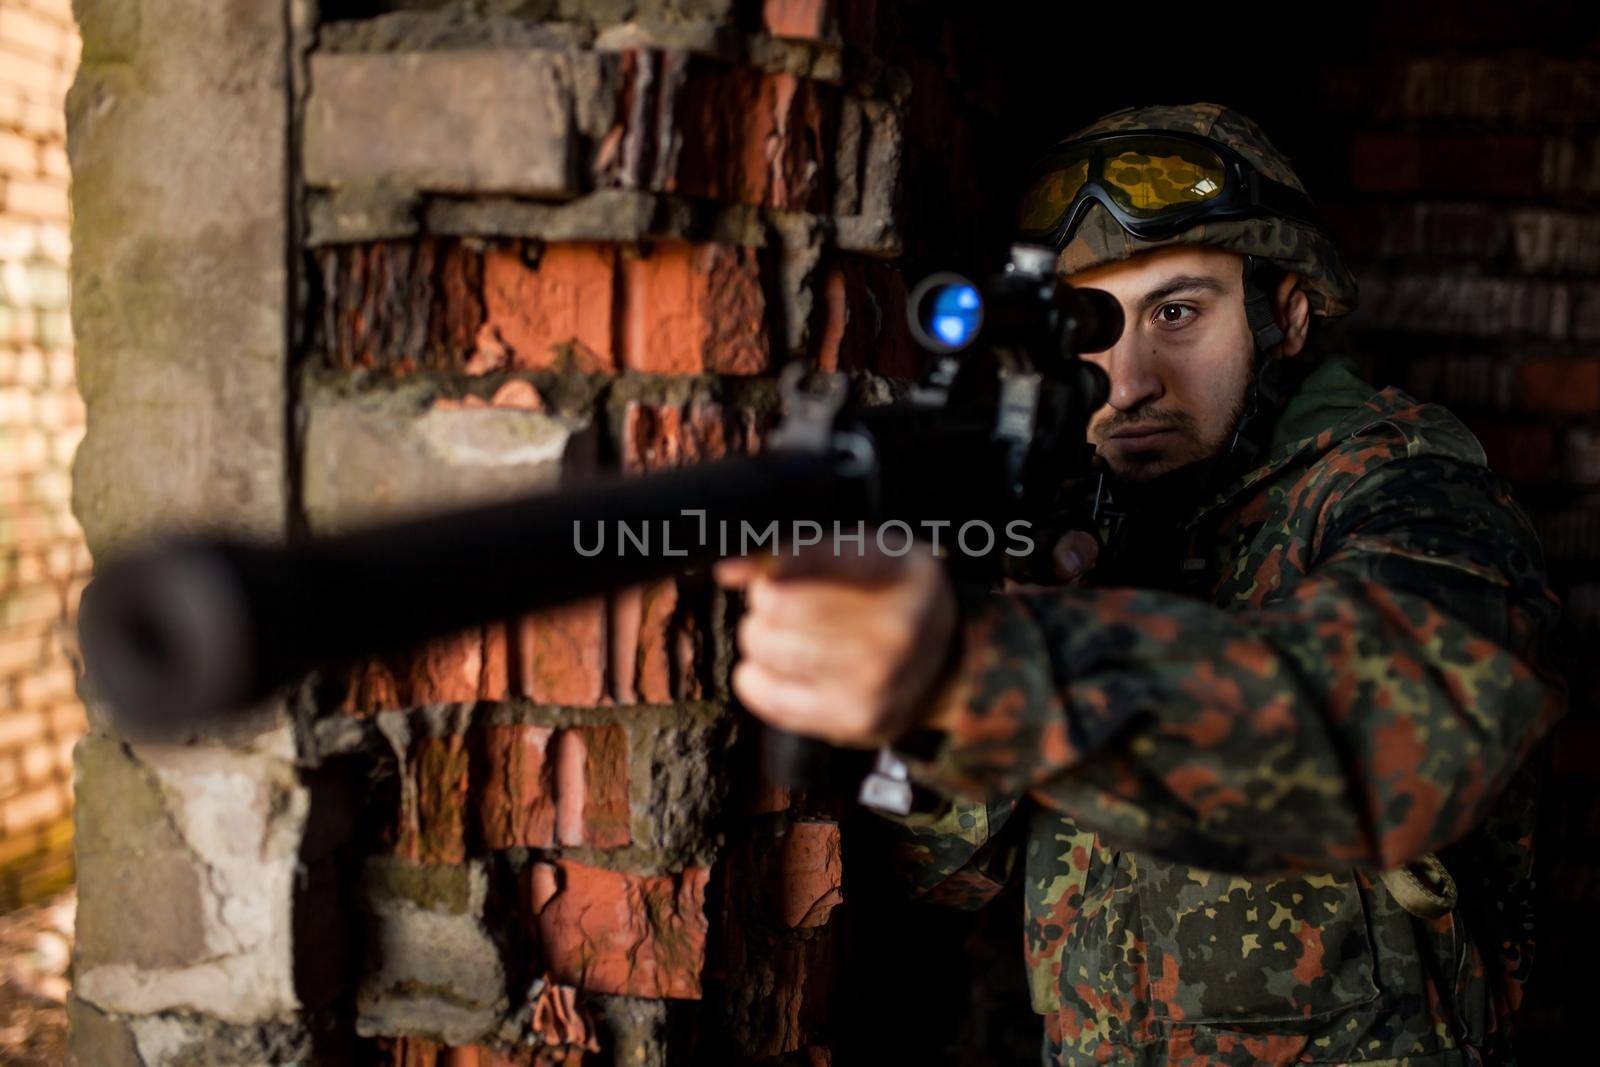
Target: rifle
<point>195,626</point>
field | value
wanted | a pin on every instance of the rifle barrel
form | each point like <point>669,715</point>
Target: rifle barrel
<point>202,625</point>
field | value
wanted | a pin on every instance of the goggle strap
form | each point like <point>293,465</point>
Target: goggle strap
<point>1283,199</point>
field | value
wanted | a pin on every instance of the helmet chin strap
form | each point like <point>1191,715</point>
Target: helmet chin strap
<point>1269,384</point>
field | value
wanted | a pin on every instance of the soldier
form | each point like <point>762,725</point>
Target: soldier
<point>1267,760</point>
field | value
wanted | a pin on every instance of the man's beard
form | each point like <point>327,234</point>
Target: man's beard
<point>1205,453</point>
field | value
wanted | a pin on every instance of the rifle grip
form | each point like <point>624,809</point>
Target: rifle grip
<point>790,761</point>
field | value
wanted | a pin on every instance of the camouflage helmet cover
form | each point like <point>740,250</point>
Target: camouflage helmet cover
<point>1292,245</point>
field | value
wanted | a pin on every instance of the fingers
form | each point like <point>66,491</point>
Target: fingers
<point>805,707</point>
<point>786,650</point>
<point>839,640</point>
<point>820,605</point>
<point>1073,555</point>
<point>739,571</point>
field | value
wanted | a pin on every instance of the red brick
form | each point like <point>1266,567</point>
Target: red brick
<point>695,308</point>
<point>22,726</point>
<point>626,612</point>
<point>18,155</point>
<point>433,801</point>
<point>794,149</point>
<point>53,162</point>
<point>537,787</point>
<point>401,306</point>
<point>463,668</point>
<point>46,686</point>
<point>420,1052</point>
<point>42,79</point>
<point>561,654</point>
<point>61,11</point>
<point>656,646</point>
<point>766,799</point>
<point>75,587</point>
<point>656,639</point>
<point>802,19</point>
<point>864,321</point>
<point>68,720</point>
<point>804,974</point>
<point>561,1020</point>
<point>752,137</point>
<point>591,787</point>
<point>608,932</point>
<point>516,803</point>
<point>796,978</point>
<point>457,309</point>
<point>26,648</point>
<point>407,1052</point>
<point>40,603</point>
<point>685,309</point>
<point>555,311</point>
<point>1560,386</point>
<point>733,308</point>
<point>663,331</point>
<point>659,436</point>
<point>45,38</point>
<point>460,669</point>
<point>42,763</point>
<point>808,874</point>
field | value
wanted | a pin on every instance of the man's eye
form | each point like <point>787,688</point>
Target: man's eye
<point>1174,314</point>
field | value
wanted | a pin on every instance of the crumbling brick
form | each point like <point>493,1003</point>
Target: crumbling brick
<point>609,932</point>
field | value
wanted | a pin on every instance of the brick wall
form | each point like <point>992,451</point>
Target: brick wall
<point>1469,204</point>
<point>42,559</point>
<point>726,197</point>
<point>518,250</point>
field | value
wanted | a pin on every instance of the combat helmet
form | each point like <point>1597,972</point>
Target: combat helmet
<point>1199,174</point>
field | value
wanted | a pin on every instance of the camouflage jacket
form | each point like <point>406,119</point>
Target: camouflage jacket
<point>1205,786</point>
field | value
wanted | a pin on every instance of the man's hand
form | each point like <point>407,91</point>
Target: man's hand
<point>844,647</point>
<point>1074,555</point>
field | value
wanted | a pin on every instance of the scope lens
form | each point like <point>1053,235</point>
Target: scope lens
<point>946,312</point>
<point>955,314</point>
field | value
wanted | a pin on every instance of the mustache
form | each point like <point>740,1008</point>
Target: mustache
<point>1177,420</point>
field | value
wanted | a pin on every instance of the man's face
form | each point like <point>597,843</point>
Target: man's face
<point>1179,372</point>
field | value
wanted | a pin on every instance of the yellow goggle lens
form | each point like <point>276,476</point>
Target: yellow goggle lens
<point>1145,176</point>
<point>1149,179</point>
<point>1051,195</point>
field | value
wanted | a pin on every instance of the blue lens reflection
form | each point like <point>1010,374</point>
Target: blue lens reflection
<point>954,313</point>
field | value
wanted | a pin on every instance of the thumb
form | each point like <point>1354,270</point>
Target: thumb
<point>738,572</point>
<point>1074,554</point>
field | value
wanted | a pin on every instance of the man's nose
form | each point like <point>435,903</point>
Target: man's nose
<point>1135,375</point>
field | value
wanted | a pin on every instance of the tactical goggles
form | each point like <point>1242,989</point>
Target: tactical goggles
<point>1155,183</point>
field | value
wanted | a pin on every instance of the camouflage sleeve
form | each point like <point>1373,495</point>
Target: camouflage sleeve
<point>956,855</point>
<point>1364,714</point>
